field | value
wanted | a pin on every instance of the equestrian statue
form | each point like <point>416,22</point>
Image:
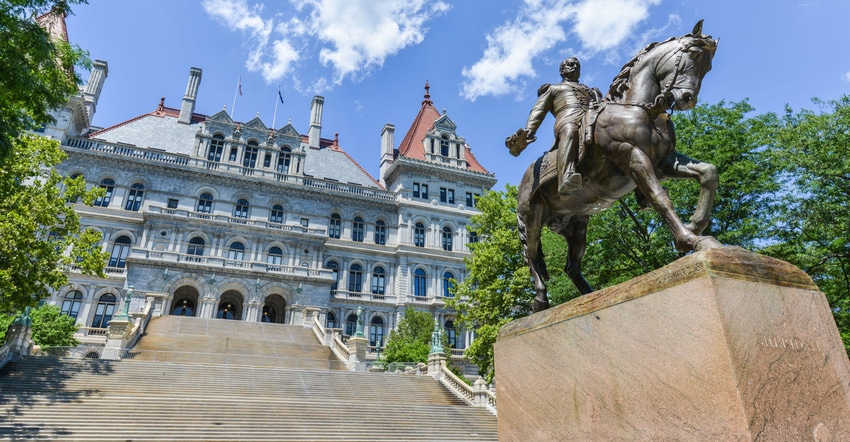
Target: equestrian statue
<point>607,147</point>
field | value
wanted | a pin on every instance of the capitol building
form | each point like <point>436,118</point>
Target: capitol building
<point>239,221</point>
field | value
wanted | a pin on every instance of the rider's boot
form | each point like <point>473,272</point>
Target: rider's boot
<point>570,182</point>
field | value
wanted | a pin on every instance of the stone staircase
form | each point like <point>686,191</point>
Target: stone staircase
<point>216,341</point>
<point>68,399</point>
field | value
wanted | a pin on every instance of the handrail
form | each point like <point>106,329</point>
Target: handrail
<point>477,396</point>
<point>139,328</point>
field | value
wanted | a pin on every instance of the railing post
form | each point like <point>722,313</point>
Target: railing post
<point>480,391</point>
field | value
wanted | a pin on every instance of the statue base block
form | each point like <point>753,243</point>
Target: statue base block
<point>722,344</point>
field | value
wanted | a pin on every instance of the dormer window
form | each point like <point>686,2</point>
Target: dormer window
<point>250,158</point>
<point>284,160</point>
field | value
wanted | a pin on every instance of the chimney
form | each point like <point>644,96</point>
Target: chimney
<point>315,133</point>
<point>91,94</point>
<point>387,150</point>
<point>188,106</point>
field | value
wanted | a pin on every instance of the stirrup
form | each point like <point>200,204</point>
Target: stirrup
<point>570,183</point>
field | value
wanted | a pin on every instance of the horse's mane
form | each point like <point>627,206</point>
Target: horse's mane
<point>620,84</point>
<point>621,81</point>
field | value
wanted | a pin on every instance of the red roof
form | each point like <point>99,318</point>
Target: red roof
<point>54,23</point>
<point>412,145</point>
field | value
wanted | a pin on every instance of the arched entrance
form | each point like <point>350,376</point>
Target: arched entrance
<point>185,301</point>
<point>274,310</point>
<point>230,306</point>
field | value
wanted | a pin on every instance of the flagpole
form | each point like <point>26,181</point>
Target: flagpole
<point>274,118</point>
<point>236,94</point>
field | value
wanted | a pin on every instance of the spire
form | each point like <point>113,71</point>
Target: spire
<point>427,100</point>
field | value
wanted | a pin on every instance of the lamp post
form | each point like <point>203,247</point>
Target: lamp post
<point>125,311</point>
<point>165,277</point>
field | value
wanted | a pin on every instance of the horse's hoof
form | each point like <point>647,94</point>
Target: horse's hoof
<point>707,242</point>
<point>539,306</point>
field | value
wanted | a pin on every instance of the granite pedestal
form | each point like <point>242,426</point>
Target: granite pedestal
<point>722,344</point>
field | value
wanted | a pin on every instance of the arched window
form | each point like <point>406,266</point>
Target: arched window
<point>451,333</point>
<point>419,283</point>
<point>334,266</point>
<point>376,331</point>
<point>330,320</point>
<point>473,237</point>
<point>241,209</point>
<point>447,284</point>
<point>355,278</point>
<point>350,324</point>
<point>357,229</point>
<point>196,246</point>
<point>236,252</point>
<point>284,159</point>
<point>205,203</point>
<point>109,185</point>
<point>275,256</point>
<point>335,226</point>
<point>71,304</point>
<point>444,145</point>
<point>419,235</point>
<point>277,214</point>
<point>134,198</point>
<point>103,312</point>
<point>120,249</point>
<point>379,281</point>
<point>447,238</point>
<point>216,148</point>
<point>380,232</point>
<point>250,159</point>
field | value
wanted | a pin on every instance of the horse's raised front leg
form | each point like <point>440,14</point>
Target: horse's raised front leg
<point>680,166</point>
<point>640,169</point>
<point>529,223</point>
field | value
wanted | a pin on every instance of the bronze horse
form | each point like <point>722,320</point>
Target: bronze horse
<point>631,144</point>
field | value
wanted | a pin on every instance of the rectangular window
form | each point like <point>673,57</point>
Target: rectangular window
<point>469,201</point>
<point>305,222</point>
<point>172,203</point>
<point>416,190</point>
<point>233,152</point>
<point>451,196</point>
<point>424,191</point>
<point>443,196</point>
<point>267,162</point>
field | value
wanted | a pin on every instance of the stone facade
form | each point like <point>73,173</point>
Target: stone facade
<point>239,220</point>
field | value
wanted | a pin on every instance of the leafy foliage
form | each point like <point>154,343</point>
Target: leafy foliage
<point>411,341</point>
<point>37,73</point>
<point>812,228</point>
<point>38,226</point>
<point>50,328</point>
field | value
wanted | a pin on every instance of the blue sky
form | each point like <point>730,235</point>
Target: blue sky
<point>483,59</point>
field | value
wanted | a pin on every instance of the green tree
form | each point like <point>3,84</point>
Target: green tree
<point>813,224</point>
<point>497,288</point>
<point>40,233</point>
<point>50,328</point>
<point>411,341</point>
<point>37,73</point>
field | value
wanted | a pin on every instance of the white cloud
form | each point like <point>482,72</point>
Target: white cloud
<point>846,77</point>
<point>507,61</point>
<point>354,36</point>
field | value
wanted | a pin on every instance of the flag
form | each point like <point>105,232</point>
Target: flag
<point>279,96</point>
<point>239,86</point>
